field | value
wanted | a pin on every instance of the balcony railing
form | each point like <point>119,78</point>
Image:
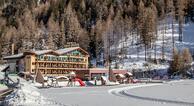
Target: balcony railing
<point>60,62</point>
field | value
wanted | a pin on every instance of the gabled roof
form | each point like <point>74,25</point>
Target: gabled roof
<point>40,52</point>
<point>67,50</point>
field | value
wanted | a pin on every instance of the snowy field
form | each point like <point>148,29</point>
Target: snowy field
<point>179,93</point>
<point>29,95</point>
<point>113,96</point>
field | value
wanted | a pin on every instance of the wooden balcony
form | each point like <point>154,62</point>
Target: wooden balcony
<point>46,68</point>
<point>58,62</point>
<point>60,65</point>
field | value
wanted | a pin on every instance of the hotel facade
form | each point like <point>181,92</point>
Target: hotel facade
<point>51,62</point>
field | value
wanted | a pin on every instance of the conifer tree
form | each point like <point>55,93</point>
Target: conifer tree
<point>181,62</point>
<point>55,34</point>
<point>147,31</point>
<point>50,43</point>
<point>187,59</point>
<point>174,65</point>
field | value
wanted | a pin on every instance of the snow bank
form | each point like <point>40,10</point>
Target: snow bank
<point>27,95</point>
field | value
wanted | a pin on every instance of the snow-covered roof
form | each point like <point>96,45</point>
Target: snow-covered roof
<point>20,55</point>
<point>40,52</point>
<point>14,56</point>
<point>66,50</point>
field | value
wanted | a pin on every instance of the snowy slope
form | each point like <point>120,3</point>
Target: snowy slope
<point>133,57</point>
<point>188,33</point>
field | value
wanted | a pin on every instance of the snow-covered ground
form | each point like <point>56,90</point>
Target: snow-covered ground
<point>113,95</point>
<point>179,93</point>
<point>27,95</point>
<point>173,93</point>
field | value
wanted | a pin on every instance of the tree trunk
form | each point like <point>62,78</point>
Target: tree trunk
<point>180,28</point>
<point>137,43</point>
<point>145,52</point>
<point>163,46</point>
<point>173,33</point>
<point>155,41</point>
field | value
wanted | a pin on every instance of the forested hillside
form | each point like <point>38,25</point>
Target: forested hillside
<point>96,25</point>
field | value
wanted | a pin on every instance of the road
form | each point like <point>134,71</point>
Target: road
<point>168,94</point>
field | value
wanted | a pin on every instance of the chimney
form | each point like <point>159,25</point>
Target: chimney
<point>12,48</point>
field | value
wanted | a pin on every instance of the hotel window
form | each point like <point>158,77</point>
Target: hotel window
<point>48,71</point>
<point>49,58</point>
<point>65,59</point>
<point>33,63</point>
<point>66,65</point>
<point>62,59</point>
<point>37,58</point>
<point>57,58</point>
<point>53,58</point>
<point>40,57</point>
<point>33,70</point>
